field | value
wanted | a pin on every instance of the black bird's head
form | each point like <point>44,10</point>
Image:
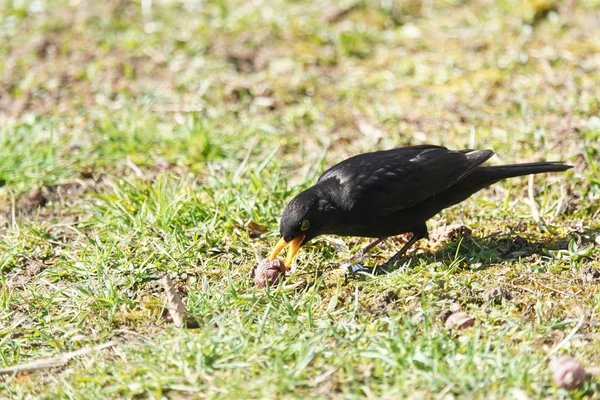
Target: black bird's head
<point>302,220</point>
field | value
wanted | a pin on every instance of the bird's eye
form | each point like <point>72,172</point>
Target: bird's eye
<point>305,225</point>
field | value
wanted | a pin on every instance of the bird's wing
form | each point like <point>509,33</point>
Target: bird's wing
<point>383,182</point>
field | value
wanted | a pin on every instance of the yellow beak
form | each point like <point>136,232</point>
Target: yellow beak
<point>294,247</point>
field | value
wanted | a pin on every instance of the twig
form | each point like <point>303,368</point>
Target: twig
<point>445,390</point>
<point>57,361</point>
<point>251,148</point>
<point>569,336</point>
<point>534,209</point>
<point>134,168</point>
<point>13,326</point>
<point>519,287</point>
<point>555,290</point>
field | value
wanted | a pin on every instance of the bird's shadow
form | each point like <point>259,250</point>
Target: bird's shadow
<point>481,253</point>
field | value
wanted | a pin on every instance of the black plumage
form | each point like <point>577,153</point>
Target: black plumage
<point>388,193</point>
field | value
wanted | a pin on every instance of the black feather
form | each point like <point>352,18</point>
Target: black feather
<point>391,192</point>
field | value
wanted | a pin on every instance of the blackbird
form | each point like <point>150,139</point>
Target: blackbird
<point>388,193</point>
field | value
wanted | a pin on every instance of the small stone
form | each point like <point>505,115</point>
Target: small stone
<point>269,272</point>
<point>459,321</point>
<point>567,372</point>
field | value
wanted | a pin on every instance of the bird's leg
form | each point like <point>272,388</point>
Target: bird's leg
<point>418,234</point>
<point>415,238</point>
<point>363,252</point>
<point>353,262</point>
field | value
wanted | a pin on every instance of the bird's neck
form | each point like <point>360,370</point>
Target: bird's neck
<point>330,207</point>
<point>334,193</point>
<point>331,200</point>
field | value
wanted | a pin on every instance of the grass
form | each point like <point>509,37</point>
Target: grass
<point>139,138</point>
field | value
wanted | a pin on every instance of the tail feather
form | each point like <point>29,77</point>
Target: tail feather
<point>483,177</point>
<point>497,173</point>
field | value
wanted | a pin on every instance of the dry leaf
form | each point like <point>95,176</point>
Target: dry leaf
<point>460,321</point>
<point>175,306</point>
<point>255,228</point>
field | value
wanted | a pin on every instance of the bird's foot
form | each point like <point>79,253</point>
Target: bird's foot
<point>382,269</point>
<point>357,268</point>
<point>353,265</point>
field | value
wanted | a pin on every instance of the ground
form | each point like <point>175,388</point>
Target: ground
<point>140,138</point>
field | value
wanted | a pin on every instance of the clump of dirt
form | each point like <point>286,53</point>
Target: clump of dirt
<point>590,274</point>
<point>247,60</point>
<point>41,196</point>
<point>34,267</point>
<point>383,301</point>
<point>46,195</point>
<point>32,200</point>
<point>449,233</point>
<point>513,246</point>
<point>26,271</point>
<point>497,294</point>
<point>248,53</point>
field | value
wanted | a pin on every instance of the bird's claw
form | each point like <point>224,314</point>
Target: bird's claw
<point>376,270</point>
<point>354,264</point>
<point>354,268</point>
